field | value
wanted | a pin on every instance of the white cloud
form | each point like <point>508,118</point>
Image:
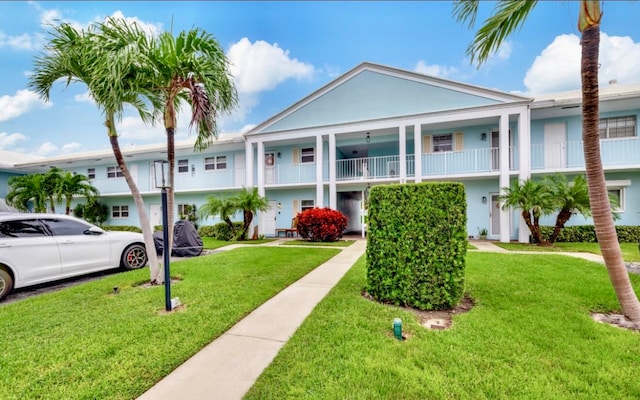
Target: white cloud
<point>261,66</point>
<point>9,140</point>
<point>23,101</point>
<point>440,71</point>
<point>84,98</point>
<point>557,68</point>
<point>21,42</point>
<point>247,128</point>
<point>148,27</point>
<point>48,148</point>
<point>131,129</point>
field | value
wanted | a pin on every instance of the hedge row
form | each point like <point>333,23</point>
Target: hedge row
<point>125,228</point>
<point>220,231</point>
<point>416,246</point>
<point>587,233</point>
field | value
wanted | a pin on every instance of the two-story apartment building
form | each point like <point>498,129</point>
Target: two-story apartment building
<point>375,125</point>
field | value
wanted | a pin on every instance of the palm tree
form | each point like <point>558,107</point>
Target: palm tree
<point>509,17</point>
<point>569,199</point>
<point>75,185</point>
<point>534,199</point>
<point>51,183</point>
<point>193,68</point>
<point>27,188</point>
<point>249,201</point>
<point>109,64</point>
<point>223,208</point>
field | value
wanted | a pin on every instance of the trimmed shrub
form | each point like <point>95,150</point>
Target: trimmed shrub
<point>125,228</point>
<point>220,231</point>
<point>417,243</point>
<point>321,224</point>
<point>587,233</point>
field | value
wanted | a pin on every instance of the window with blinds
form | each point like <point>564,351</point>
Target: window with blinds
<point>617,127</point>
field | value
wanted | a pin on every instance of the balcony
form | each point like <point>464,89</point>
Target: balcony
<point>614,152</point>
<point>384,167</point>
<point>284,174</point>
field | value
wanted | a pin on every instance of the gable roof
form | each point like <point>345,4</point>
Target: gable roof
<point>372,91</point>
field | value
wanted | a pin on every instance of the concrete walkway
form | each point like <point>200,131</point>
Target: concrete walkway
<point>485,245</point>
<point>229,366</point>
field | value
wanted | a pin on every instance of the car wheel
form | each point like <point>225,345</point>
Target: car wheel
<point>134,257</point>
<point>6,282</point>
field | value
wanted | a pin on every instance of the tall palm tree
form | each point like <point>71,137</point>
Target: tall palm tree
<point>508,17</point>
<point>534,199</point>
<point>249,201</point>
<point>223,208</point>
<point>569,198</point>
<point>27,189</point>
<point>108,62</point>
<point>51,183</point>
<point>75,185</point>
<point>191,68</point>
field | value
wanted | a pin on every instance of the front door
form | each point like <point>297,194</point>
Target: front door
<point>269,219</point>
<point>239,170</point>
<point>155,215</point>
<point>269,168</point>
<point>494,215</point>
<point>555,136</point>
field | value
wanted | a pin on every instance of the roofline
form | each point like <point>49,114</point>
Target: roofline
<point>573,97</point>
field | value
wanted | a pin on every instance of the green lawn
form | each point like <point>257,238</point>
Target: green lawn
<point>630,251</point>
<point>212,244</point>
<point>298,242</point>
<point>85,342</point>
<point>529,336</point>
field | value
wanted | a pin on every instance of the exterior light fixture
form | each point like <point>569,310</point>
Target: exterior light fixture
<point>368,137</point>
<point>483,136</point>
<point>161,180</point>
<point>484,199</point>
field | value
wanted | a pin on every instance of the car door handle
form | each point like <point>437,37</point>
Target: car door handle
<point>67,242</point>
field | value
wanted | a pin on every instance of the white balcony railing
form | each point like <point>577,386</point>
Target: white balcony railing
<point>623,151</point>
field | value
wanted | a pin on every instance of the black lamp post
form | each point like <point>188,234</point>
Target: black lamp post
<point>161,175</point>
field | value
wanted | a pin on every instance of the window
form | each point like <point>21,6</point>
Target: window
<point>616,196</point>
<point>119,212</point>
<point>307,155</point>
<point>65,227</point>
<point>215,163</point>
<point>183,166</point>
<point>114,172</point>
<point>91,173</point>
<point>617,127</point>
<point>442,143</point>
<point>306,205</point>
<point>23,228</point>
<point>185,210</point>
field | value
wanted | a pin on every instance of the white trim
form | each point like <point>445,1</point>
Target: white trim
<point>619,183</point>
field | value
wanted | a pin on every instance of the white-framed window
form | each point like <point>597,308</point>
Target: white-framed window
<point>307,155</point>
<point>307,205</point>
<point>442,143</point>
<point>91,173</point>
<point>119,212</point>
<point>616,190</point>
<point>617,127</point>
<point>184,210</point>
<point>114,172</point>
<point>183,166</point>
<point>215,163</point>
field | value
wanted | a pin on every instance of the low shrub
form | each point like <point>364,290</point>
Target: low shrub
<point>125,228</point>
<point>321,224</point>
<point>220,231</point>
<point>587,233</point>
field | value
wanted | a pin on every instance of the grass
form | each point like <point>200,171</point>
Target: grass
<point>630,251</point>
<point>85,342</point>
<point>529,336</point>
<point>297,242</point>
<point>212,244</point>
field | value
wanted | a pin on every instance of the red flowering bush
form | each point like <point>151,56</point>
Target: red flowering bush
<point>321,224</point>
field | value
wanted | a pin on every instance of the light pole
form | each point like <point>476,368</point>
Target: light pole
<point>161,175</point>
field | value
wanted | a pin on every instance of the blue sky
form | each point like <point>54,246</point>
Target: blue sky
<point>283,51</point>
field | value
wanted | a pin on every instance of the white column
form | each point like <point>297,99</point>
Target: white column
<point>403,153</point>
<point>248,161</point>
<point>524,156</point>
<point>417,145</point>
<point>319,180</point>
<point>261,190</point>
<point>504,175</point>
<point>333,190</point>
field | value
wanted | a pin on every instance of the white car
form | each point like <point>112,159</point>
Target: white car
<point>38,248</point>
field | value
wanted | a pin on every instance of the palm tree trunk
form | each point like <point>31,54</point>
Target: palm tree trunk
<point>156,273</point>
<point>561,219</point>
<point>248,217</point>
<point>598,195</point>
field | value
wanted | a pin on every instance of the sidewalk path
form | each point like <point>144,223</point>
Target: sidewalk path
<point>484,245</point>
<point>228,366</point>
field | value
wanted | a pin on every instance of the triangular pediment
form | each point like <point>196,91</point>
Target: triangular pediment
<point>372,92</point>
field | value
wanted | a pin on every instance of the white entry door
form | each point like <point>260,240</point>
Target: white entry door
<point>494,215</point>
<point>239,170</point>
<point>269,219</point>
<point>155,215</point>
<point>269,168</point>
<point>555,152</point>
